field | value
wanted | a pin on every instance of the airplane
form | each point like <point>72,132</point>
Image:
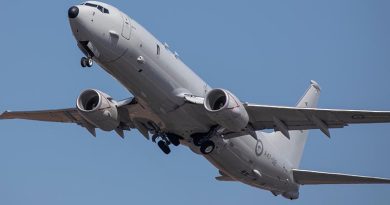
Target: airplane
<point>173,106</point>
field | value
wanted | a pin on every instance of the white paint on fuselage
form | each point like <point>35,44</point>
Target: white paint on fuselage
<point>159,84</point>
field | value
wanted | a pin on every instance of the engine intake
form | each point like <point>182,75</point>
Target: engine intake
<point>225,109</point>
<point>99,109</point>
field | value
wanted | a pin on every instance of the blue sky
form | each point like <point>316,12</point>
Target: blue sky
<point>265,52</point>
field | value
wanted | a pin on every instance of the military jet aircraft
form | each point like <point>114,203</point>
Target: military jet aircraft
<point>172,106</point>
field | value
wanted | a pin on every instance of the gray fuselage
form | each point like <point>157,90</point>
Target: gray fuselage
<point>159,79</point>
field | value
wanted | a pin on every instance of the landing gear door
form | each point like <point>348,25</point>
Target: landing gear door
<point>126,27</point>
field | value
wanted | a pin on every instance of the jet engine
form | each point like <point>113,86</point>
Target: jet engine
<point>99,109</point>
<point>225,109</point>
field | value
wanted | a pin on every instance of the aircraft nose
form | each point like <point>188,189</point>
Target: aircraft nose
<point>73,12</point>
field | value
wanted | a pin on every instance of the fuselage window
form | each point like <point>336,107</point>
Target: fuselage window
<point>158,49</point>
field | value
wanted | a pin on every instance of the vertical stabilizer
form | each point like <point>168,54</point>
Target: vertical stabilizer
<point>293,148</point>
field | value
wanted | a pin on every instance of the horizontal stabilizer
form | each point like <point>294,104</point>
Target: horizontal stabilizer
<point>313,177</point>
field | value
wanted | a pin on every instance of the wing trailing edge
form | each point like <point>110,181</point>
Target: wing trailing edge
<point>306,177</point>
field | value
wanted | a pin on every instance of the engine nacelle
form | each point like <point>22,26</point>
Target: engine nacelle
<point>225,109</point>
<point>99,109</point>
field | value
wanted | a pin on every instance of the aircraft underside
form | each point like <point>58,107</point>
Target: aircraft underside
<point>173,106</point>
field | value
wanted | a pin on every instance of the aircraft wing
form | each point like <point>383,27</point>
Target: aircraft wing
<point>70,115</point>
<point>131,113</point>
<point>313,177</point>
<point>293,118</point>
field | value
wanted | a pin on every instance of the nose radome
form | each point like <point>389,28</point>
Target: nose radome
<point>73,12</point>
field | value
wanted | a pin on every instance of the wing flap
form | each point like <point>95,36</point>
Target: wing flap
<point>305,177</point>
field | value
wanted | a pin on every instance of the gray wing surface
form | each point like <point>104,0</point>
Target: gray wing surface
<point>131,113</point>
<point>70,115</point>
<point>302,117</point>
<point>313,177</point>
<point>294,118</point>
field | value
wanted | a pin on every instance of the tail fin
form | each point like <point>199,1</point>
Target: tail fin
<point>293,148</point>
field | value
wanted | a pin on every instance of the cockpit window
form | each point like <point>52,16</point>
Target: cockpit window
<point>100,8</point>
<point>91,5</point>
